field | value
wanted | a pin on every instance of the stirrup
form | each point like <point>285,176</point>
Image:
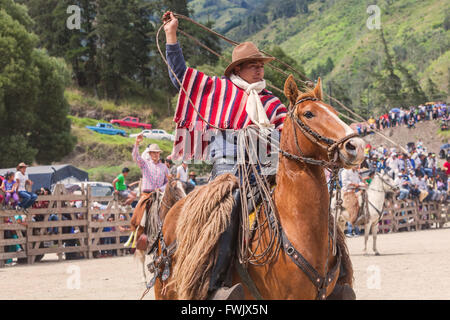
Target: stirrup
<point>236,292</point>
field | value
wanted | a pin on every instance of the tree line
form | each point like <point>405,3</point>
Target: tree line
<point>112,55</point>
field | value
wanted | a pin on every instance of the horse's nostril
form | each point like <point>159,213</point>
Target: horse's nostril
<point>349,146</point>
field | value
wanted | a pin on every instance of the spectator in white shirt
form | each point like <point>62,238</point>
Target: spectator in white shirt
<point>22,179</point>
<point>182,172</point>
<point>393,165</point>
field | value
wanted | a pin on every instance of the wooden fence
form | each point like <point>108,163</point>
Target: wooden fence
<point>69,224</point>
<point>413,215</point>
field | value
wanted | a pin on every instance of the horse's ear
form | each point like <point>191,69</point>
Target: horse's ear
<point>291,89</point>
<point>318,89</point>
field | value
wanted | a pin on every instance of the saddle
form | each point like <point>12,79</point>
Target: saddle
<point>356,205</point>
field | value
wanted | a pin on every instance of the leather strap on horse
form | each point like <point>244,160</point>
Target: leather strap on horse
<point>321,283</point>
<point>248,281</point>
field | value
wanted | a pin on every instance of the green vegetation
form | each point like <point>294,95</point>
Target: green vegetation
<point>33,110</point>
<point>109,173</point>
<point>330,39</point>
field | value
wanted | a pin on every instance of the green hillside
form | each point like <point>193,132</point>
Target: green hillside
<point>312,32</point>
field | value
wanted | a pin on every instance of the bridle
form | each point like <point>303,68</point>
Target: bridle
<point>326,143</point>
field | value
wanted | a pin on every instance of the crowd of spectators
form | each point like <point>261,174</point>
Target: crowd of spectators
<point>407,117</point>
<point>14,196</point>
<point>415,172</point>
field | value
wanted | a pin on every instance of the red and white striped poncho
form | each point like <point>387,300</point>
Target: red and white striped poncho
<point>222,104</point>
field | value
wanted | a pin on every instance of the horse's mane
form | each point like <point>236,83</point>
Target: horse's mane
<point>307,94</point>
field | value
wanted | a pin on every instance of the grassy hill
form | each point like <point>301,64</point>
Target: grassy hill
<point>417,33</point>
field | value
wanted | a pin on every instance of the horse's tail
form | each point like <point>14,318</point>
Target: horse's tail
<point>204,217</point>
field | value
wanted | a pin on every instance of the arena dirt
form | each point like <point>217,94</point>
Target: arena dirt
<point>412,265</point>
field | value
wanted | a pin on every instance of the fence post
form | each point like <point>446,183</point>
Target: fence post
<point>2,248</point>
<point>89,219</point>
<point>28,244</point>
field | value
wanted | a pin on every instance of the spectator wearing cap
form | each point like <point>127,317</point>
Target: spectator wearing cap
<point>192,180</point>
<point>22,179</point>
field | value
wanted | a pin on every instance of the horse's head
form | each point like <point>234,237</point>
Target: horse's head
<point>388,184</point>
<point>316,130</point>
<point>175,189</point>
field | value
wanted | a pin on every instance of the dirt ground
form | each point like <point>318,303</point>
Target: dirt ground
<point>412,265</point>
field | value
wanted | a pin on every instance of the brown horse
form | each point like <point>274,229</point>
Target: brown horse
<point>173,192</point>
<point>301,198</point>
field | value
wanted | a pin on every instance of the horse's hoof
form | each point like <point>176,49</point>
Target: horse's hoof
<point>377,253</point>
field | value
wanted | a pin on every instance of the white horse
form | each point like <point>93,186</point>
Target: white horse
<point>376,194</point>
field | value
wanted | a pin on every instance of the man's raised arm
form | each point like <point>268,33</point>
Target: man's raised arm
<point>174,54</point>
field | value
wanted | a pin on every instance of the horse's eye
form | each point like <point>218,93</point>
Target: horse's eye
<point>308,114</point>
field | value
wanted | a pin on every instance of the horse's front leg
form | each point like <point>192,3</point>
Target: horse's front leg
<point>366,236</point>
<point>374,235</point>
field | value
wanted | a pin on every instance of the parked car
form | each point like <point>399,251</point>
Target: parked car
<point>157,134</point>
<point>444,151</point>
<point>106,128</point>
<point>131,122</point>
<point>98,189</point>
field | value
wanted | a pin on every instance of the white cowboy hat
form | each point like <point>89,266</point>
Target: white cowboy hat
<point>151,148</point>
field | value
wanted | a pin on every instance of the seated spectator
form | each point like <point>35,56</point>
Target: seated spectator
<point>121,188</point>
<point>192,180</point>
<point>22,179</point>
<point>9,187</point>
<point>402,182</point>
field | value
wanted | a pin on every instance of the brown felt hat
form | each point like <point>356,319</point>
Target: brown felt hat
<point>243,52</point>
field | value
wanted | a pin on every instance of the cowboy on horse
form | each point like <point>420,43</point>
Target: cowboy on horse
<point>352,188</point>
<point>235,102</point>
<point>154,178</point>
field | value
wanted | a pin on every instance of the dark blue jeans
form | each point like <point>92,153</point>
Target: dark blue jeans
<point>27,199</point>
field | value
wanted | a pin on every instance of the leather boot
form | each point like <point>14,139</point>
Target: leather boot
<point>220,280</point>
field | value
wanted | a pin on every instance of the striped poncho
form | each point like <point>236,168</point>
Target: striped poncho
<point>222,104</point>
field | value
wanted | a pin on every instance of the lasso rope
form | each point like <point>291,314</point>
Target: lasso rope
<point>306,83</point>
